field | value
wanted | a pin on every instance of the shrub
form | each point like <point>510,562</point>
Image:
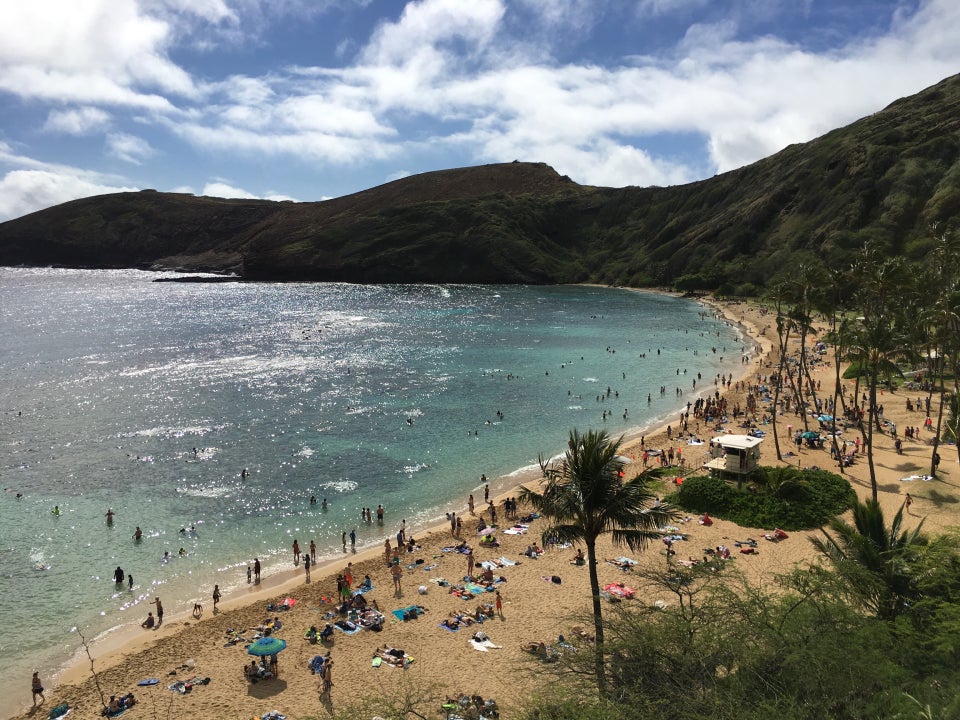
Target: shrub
<point>811,502</point>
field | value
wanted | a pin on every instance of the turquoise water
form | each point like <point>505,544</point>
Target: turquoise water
<point>151,398</point>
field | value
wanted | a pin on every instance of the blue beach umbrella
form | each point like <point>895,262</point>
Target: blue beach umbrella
<point>266,646</point>
<point>810,435</point>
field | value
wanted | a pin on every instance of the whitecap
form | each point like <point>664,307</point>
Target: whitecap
<point>411,469</point>
<point>206,492</point>
<point>305,452</point>
<point>340,485</point>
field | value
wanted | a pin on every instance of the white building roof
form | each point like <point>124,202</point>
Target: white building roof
<point>740,442</point>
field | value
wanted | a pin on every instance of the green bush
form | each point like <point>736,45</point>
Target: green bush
<point>812,501</point>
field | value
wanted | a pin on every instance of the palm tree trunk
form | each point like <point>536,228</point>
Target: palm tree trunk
<point>871,411</point>
<point>600,667</point>
<point>936,437</point>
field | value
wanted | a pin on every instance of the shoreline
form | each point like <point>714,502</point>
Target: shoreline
<point>112,646</point>
<point>126,648</point>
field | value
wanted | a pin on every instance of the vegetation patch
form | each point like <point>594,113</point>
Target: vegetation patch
<point>784,497</point>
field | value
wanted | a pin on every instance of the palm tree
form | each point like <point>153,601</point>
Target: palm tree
<point>584,496</point>
<point>878,561</point>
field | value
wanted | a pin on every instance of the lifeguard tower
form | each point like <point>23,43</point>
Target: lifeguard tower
<point>735,454</point>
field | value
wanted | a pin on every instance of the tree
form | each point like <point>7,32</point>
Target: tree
<point>879,562</point>
<point>585,496</point>
<point>882,333</point>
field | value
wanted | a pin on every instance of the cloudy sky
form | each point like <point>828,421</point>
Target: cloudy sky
<point>311,99</point>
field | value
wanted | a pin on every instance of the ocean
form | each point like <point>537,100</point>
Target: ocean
<point>150,399</point>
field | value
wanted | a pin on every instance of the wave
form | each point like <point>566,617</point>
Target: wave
<point>340,486</point>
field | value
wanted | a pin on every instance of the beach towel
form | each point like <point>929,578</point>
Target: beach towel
<point>149,681</point>
<point>476,589</point>
<point>484,645</point>
<point>451,628</point>
<point>363,589</point>
<point>506,561</point>
<point>348,627</point>
<point>377,661</point>
<point>59,711</point>
<point>619,590</point>
<point>911,478</point>
<point>516,530</point>
<point>411,612</point>
<point>432,566</point>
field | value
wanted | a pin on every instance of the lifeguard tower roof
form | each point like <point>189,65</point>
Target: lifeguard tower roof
<point>739,442</point>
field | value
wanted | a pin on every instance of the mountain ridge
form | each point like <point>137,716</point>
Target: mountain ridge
<point>888,177</point>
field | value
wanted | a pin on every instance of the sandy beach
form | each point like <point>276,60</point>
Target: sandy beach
<point>445,662</point>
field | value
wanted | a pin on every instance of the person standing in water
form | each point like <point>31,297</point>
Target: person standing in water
<point>138,533</point>
<point>36,687</point>
<point>216,596</point>
<point>296,553</point>
<point>118,575</point>
<point>109,516</point>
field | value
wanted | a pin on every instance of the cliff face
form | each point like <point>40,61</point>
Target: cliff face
<point>887,177</point>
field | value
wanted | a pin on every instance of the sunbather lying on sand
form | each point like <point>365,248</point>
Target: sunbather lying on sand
<point>391,656</point>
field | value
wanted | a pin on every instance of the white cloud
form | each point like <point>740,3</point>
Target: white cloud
<point>79,121</point>
<point>668,7</point>
<point>433,23</point>
<point>223,190</point>
<point>26,191</point>
<point>129,148</point>
<point>96,51</point>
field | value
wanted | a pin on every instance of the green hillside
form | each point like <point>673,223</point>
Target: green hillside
<point>887,177</point>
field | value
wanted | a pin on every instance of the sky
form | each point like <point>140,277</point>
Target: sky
<point>311,99</point>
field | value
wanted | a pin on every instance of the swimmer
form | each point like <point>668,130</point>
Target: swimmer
<point>56,510</point>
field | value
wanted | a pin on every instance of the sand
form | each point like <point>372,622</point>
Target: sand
<point>445,662</point>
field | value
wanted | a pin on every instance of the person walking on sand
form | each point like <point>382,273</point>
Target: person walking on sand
<point>216,596</point>
<point>397,572</point>
<point>37,688</point>
<point>499,604</point>
<point>470,504</point>
<point>908,502</point>
<point>327,677</point>
<point>306,566</point>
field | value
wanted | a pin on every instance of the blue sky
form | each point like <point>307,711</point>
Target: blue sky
<point>312,99</point>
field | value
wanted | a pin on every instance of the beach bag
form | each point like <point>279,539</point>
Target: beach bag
<point>555,579</point>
